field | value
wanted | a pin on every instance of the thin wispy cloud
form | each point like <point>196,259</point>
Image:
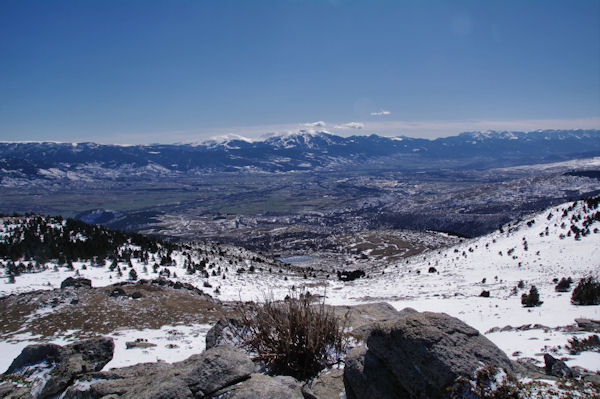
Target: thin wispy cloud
<point>316,124</point>
<point>380,113</point>
<point>350,125</point>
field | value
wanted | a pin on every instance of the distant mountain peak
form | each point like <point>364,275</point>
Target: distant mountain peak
<point>307,133</point>
<point>218,140</point>
<point>307,138</point>
<point>307,149</point>
<point>493,134</point>
<point>300,136</point>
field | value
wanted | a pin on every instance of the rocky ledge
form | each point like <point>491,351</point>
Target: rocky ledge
<point>403,354</point>
<point>223,372</point>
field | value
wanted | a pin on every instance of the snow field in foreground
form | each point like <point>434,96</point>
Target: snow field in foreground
<point>173,344</point>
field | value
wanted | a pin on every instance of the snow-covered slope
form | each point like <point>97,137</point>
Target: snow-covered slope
<point>536,250</point>
<point>38,252</point>
<point>562,241</point>
<point>559,242</point>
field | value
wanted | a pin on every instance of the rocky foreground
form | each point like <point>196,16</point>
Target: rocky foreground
<point>403,354</point>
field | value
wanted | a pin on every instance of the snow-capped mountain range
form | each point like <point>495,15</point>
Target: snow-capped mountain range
<point>305,150</point>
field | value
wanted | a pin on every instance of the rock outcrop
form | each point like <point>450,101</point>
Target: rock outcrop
<point>198,376</point>
<point>419,355</point>
<point>222,333</point>
<point>327,385</point>
<point>368,313</point>
<point>556,367</point>
<point>588,325</point>
<point>79,282</point>
<point>222,371</point>
<point>407,355</point>
<point>52,368</point>
<point>363,318</point>
<point>261,386</point>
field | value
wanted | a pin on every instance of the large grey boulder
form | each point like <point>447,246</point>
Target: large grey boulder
<point>368,377</point>
<point>34,354</point>
<point>126,382</point>
<point>214,369</point>
<point>364,318</point>
<point>199,376</point>
<point>14,390</point>
<point>79,358</point>
<point>224,332</point>
<point>364,314</point>
<point>167,388</point>
<point>327,385</point>
<point>52,368</point>
<point>419,355</point>
<point>556,367</point>
<point>261,386</point>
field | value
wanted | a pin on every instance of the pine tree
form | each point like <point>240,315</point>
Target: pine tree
<point>531,300</point>
<point>133,275</point>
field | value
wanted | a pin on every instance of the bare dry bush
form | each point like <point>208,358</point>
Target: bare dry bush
<point>293,337</point>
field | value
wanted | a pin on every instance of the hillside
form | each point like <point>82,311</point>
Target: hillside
<point>562,241</point>
<point>38,252</point>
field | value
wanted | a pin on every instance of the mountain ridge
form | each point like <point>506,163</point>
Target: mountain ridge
<point>304,151</point>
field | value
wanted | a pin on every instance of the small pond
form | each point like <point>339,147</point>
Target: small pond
<point>296,259</point>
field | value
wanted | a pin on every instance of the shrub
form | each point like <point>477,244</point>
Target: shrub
<point>587,292</point>
<point>485,294</point>
<point>293,337</point>
<point>487,383</point>
<point>590,343</point>
<point>532,299</point>
<point>564,285</point>
<point>350,275</point>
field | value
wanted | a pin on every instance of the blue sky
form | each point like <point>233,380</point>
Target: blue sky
<point>158,71</point>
